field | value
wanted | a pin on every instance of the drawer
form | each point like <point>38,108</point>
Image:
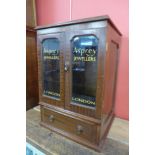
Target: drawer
<point>72,125</point>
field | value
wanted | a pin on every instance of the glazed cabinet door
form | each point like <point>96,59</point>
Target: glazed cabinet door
<point>51,68</point>
<point>84,65</point>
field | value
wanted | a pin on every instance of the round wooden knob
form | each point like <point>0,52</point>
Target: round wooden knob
<point>66,68</point>
<point>79,129</point>
<point>51,118</point>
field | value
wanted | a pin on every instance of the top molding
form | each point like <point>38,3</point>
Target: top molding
<point>79,21</point>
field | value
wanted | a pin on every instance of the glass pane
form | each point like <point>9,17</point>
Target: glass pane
<point>51,68</point>
<point>84,70</point>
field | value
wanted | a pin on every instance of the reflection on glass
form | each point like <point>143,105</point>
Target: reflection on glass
<point>51,69</point>
<point>84,70</point>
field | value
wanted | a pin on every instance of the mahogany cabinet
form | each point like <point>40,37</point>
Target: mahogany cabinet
<point>77,64</point>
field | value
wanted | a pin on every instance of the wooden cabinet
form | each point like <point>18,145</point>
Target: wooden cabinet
<point>77,64</point>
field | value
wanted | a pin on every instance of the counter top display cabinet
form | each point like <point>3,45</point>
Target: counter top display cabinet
<point>77,64</point>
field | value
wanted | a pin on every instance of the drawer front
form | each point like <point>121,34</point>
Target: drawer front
<point>80,128</point>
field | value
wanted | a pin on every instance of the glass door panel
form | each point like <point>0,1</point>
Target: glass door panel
<point>51,67</point>
<point>84,67</point>
<point>51,72</point>
<point>84,70</point>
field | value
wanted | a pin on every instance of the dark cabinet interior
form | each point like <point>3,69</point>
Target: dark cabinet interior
<point>77,65</point>
<point>84,71</point>
<point>51,68</point>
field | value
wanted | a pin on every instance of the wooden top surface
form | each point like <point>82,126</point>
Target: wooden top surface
<point>79,21</point>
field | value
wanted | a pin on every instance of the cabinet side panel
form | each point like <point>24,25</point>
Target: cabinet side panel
<point>110,72</point>
<point>111,64</point>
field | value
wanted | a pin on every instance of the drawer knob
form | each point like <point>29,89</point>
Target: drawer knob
<point>66,68</point>
<point>79,129</point>
<point>51,118</point>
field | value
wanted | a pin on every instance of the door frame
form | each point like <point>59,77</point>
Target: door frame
<point>99,33</point>
<point>42,97</point>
